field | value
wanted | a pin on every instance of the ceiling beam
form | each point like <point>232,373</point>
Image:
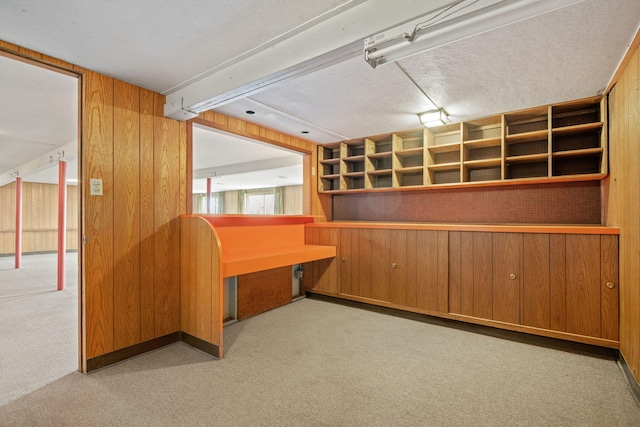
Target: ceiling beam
<point>335,39</point>
<point>66,152</point>
<point>259,165</point>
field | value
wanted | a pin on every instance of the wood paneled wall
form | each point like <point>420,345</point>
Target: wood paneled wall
<point>131,262</point>
<point>622,202</point>
<point>132,271</point>
<point>39,217</point>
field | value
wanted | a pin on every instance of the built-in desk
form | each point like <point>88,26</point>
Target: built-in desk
<point>215,249</point>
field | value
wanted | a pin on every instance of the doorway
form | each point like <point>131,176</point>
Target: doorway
<point>39,132</point>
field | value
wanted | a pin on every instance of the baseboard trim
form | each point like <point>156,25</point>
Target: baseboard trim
<point>629,378</point>
<point>105,360</point>
<point>201,345</point>
<point>554,343</point>
<point>108,359</point>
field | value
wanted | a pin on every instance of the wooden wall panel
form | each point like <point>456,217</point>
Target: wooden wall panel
<point>166,172</point>
<point>609,295</point>
<point>427,272</point>
<point>126,213</point>
<point>507,262</point>
<point>623,202</point>
<point>482,275</point>
<point>398,279</point>
<point>558,278</point>
<point>99,221</point>
<point>263,290</point>
<point>412,268</point>
<point>40,218</point>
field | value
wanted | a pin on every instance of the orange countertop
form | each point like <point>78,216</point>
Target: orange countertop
<point>496,228</point>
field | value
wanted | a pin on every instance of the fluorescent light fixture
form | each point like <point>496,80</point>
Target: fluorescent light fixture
<point>381,49</point>
<point>434,118</point>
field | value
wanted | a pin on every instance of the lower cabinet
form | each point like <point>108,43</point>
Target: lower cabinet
<point>565,284</point>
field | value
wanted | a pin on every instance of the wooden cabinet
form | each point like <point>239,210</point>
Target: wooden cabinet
<point>559,282</point>
<point>560,140</point>
<point>546,283</point>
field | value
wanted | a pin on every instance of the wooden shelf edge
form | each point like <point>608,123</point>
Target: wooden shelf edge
<point>379,155</point>
<point>410,152</point>
<point>483,143</point>
<point>413,169</point>
<point>358,158</point>
<point>332,176</point>
<point>482,163</point>
<point>527,136</point>
<point>528,158</point>
<point>444,166</point>
<point>330,161</point>
<point>353,174</point>
<point>578,153</point>
<point>577,128</point>
<point>381,172</point>
<point>500,183</point>
<point>444,148</point>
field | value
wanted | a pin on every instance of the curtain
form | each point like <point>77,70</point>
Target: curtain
<point>278,205</point>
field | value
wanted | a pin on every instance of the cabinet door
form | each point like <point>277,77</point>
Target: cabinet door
<point>432,249</point>
<point>346,264</point>
<point>609,306</point>
<point>381,264</point>
<point>482,267</point>
<point>507,261</point>
<point>536,291</point>
<point>400,266</point>
<point>583,284</point>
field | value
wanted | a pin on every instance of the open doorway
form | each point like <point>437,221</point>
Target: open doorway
<point>244,176</point>
<point>39,327</point>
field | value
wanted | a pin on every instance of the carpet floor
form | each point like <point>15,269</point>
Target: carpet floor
<point>316,363</point>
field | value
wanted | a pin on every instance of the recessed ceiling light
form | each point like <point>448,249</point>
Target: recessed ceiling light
<point>305,131</point>
<point>250,112</point>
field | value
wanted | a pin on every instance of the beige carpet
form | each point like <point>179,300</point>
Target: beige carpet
<point>315,363</point>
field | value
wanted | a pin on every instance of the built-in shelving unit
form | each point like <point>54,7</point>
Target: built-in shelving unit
<point>561,141</point>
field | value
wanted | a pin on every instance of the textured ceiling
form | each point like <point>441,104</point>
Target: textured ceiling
<point>162,45</point>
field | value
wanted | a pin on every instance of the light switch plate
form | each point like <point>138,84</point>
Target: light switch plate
<point>95,187</point>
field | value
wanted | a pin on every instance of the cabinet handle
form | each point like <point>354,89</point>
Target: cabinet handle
<point>394,265</point>
<point>611,285</point>
<point>512,276</point>
<point>342,259</point>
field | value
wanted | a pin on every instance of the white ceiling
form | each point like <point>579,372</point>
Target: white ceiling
<point>170,47</point>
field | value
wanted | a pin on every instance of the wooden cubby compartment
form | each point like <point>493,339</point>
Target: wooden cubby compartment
<point>561,140</point>
<point>443,154</point>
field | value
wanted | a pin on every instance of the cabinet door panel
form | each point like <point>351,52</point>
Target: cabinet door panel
<point>482,275</point>
<point>325,271</point>
<point>583,287</point>
<point>412,268</point>
<point>455,272</point>
<point>507,261</point>
<point>398,246</point>
<point>467,273</point>
<point>610,296</point>
<point>364,262</point>
<point>558,282</point>
<point>427,290</point>
<point>345,261</point>
<point>535,281</point>
<point>381,264</point>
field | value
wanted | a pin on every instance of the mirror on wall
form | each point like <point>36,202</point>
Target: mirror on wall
<point>246,176</point>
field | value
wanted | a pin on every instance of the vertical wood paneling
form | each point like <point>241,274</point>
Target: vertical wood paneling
<point>126,231</point>
<point>535,281</point>
<point>398,282</point>
<point>583,287</point>
<point>354,257</point>
<point>204,281</point>
<point>365,262</point>
<point>482,275</point>
<point>185,269</point>
<point>427,247</point>
<point>468,273</point>
<point>345,263</point>
<point>98,163</point>
<point>455,271</point>
<point>624,209</point>
<point>507,261</point>
<point>166,173</point>
<point>381,268</point>
<point>609,296</point>
<point>558,280</point>
<point>39,217</point>
<point>147,217</point>
<point>412,268</point>
<point>443,271</point>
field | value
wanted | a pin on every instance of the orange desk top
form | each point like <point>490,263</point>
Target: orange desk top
<point>250,261</point>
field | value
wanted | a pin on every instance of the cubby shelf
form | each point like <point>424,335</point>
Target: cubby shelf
<point>565,141</point>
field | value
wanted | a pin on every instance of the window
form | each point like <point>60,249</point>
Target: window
<point>260,202</point>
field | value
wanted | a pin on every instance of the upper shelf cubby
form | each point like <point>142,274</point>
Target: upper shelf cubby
<point>560,141</point>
